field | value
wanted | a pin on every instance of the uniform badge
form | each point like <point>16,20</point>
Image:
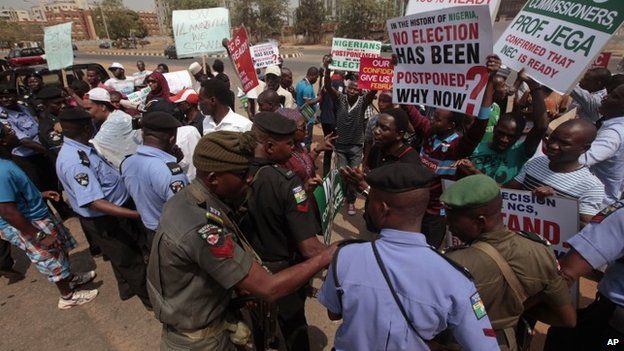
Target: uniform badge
<point>219,242</point>
<point>300,194</point>
<point>477,306</point>
<point>82,179</point>
<point>214,211</point>
<point>600,216</point>
<point>176,186</point>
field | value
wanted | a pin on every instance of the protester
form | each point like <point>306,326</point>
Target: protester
<point>34,84</point>
<point>268,101</point>
<point>219,68</point>
<point>94,79</point>
<point>368,284</point>
<point>213,104</point>
<point>119,82</point>
<point>559,171</point>
<point>304,91</point>
<point>232,98</point>
<point>287,81</point>
<point>162,68</point>
<point>140,74</point>
<point>591,86</point>
<point>384,103</point>
<point>159,87</point>
<point>187,101</point>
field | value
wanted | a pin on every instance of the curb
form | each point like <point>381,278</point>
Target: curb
<point>157,54</point>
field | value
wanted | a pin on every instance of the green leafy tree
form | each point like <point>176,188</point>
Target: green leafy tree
<point>356,18</point>
<point>309,18</point>
<point>121,22</point>
<point>262,18</point>
<point>192,4</point>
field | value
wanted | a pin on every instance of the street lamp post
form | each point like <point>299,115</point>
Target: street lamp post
<point>104,20</point>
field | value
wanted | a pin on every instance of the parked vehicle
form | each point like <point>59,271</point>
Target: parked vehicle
<point>26,57</point>
<point>170,52</point>
<point>386,47</point>
<point>16,75</point>
<point>105,45</point>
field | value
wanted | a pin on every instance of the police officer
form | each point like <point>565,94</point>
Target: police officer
<point>397,292</point>
<point>50,134</point>
<point>152,175</point>
<point>512,270</point>
<point>199,255</point>
<point>282,217</point>
<point>97,194</point>
<point>600,326</point>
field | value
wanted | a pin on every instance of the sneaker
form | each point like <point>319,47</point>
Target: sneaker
<point>81,278</point>
<point>351,209</point>
<point>79,297</point>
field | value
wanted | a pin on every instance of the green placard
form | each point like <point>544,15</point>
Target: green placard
<point>329,198</point>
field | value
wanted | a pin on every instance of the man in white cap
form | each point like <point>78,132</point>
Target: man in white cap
<point>196,70</point>
<point>272,80</point>
<point>119,82</point>
<point>115,138</point>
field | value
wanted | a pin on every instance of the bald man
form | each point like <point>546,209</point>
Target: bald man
<point>559,172</point>
<point>269,101</point>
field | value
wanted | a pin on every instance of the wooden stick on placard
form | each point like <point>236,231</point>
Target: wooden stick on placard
<point>204,64</point>
<point>64,78</point>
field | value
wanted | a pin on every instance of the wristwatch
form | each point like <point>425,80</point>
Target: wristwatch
<point>40,236</point>
<point>366,191</point>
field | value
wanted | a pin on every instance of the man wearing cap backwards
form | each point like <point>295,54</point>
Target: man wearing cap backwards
<point>119,82</point>
<point>398,293</point>
<point>514,271</point>
<point>187,101</point>
<point>97,194</point>
<point>152,175</point>
<point>115,138</point>
<point>282,224</point>
<point>199,255</point>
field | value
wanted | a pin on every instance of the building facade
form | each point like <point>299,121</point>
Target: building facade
<point>150,20</point>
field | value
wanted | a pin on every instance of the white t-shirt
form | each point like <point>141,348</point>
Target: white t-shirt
<point>139,77</point>
<point>255,92</point>
<point>187,138</point>
<point>231,122</point>
<point>124,86</point>
<point>116,139</point>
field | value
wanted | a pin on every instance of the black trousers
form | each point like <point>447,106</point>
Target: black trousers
<point>6,261</point>
<point>434,228</point>
<point>327,155</point>
<point>116,239</point>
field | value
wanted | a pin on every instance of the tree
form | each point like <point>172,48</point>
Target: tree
<point>356,18</point>
<point>309,18</point>
<point>262,18</point>
<point>191,4</point>
<point>121,22</point>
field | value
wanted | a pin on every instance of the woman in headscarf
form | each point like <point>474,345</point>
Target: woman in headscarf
<point>158,85</point>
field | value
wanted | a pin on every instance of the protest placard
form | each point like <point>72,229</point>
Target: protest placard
<point>329,198</point>
<point>418,6</point>
<point>138,97</point>
<point>57,42</point>
<point>602,60</point>
<point>441,57</point>
<point>201,31</point>
<point>554,218</point>
<point>555,41</point>
<point>238,48</point>
<point>375,73</point>
<point>265,55</point>
<point>346,53</point>
<point>178,80</point>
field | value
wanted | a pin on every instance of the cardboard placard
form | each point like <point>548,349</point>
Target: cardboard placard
<point>329,199</point>
<point>238,47</point>
<point>201,31</point>
<point>57,41</point>
<point>418,6</point>
<point>346,53</point>
<point>265,55</point>
<point>375,73</point>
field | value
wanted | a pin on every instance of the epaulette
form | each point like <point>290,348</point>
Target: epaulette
<point>534,237</point>
<point>463,270</point>
<point>84,159</point>
<point>600,216</point>
<point>454,248</point>
<point>287,173</point>
<point>174,167</point>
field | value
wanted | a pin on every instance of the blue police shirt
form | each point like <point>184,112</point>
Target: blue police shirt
<point>152,176</point>
<point>25,126</point>
<point>304,91</point>
<point>88,178</point>
<point>15,186</point>
<point>436,297</point>
<point>602,242</point>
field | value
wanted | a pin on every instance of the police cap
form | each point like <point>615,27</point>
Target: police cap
<point>470,192</point>
<point>274,123</point>
<point>400,177</point>
<point>74,114</point>
<point>159,120</point>
<point>50,93</point>
<point>7,89</point>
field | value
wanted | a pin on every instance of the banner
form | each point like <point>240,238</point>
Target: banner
<point>329,198</point>
<point>555,41</point>
<point>238,47</point>
<point>57,42</point>
<point>199,32</point>
<point>375,73</point>
<point>418,6</point>
<point>554,218</point>
<point>265,55</point>
<point>346,53</point>
<point>178,80</point>
<point>441,58</point>
<point>138,97</point>
<point>602,60</point>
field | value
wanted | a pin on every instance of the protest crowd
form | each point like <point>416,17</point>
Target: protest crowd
<point>206,203</point>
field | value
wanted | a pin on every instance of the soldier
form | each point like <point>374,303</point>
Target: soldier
<point>398,292</point>
<point>152,175</point>
<point>513,271</point>
<point>98,196</point>
<point>199,255</point>
<point>282,224</point>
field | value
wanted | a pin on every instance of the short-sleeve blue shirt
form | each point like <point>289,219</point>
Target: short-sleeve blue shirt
<point>304,91</point>
<point>88,178</point>
<point>436,297</point>
<point>15,186</point>
<point>152,176</point>
<point>25,126</point>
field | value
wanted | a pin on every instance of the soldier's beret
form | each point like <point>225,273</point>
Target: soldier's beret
<point>274,123</point>
<point>470,192</point>
<point>159,120</point>
<point>50,92</point>
<point>400,177</point>
<point>7,89</point>
<point>74,114</point>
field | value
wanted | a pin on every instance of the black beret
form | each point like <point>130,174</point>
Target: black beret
<point>159,121</point>
<point>74,114</point>
<point>49,93</point>
<point>7,89</point>
<point>274,123</point>
<point>400,177</point>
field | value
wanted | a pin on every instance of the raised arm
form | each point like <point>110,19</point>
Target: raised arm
<point>540,115</point>
<point>327,60</point>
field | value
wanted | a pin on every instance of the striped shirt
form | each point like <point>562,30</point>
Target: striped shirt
<point>580,185</point>
<point>350,121</point>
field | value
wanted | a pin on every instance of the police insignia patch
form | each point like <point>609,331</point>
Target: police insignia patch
<point>477,306</point>
<point>300,194</point>
<point>176,186</point>
<point>607,212</point>
<point>82,179</point>
<point>214,211</point>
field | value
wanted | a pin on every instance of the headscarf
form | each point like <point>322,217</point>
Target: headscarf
<point>162,84</point>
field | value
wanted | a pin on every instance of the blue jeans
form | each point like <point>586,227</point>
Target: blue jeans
<point>349,155</point>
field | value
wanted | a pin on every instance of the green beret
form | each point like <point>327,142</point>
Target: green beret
<point>159,121</point>
<point>224,151</point>
<point>274,123</point>
<point>74,114</point>
<point>400,177</point>
<point>470,192</point>
<point>50,92</point>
